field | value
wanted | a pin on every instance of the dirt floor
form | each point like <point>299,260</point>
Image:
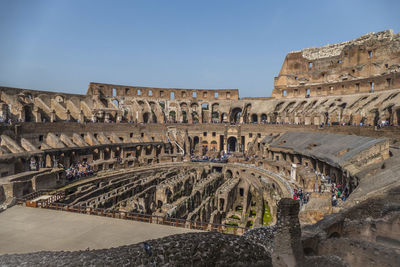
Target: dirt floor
<point>24,229</point>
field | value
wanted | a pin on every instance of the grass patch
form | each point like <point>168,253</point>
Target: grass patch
<point>267,218</point>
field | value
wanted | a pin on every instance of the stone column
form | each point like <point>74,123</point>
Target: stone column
<point>37,115</point>
<point>81,117</point>
<point>53,116</point>
<point>288,249</point>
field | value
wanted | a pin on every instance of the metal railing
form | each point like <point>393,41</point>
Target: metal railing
<point>50,203</point>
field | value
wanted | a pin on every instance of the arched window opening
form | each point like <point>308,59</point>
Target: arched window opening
<point>235,115</point>
<point>264,118</point>
<point>232,141</point>
<point>172,116</point>
<point>184,117</point>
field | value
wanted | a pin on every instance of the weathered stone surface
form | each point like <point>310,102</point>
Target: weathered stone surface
<point>197,249</point>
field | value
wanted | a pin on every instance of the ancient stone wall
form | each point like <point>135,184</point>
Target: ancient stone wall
<point>367,64</point>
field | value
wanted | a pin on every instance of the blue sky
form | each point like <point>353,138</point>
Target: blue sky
<point>63,45</point>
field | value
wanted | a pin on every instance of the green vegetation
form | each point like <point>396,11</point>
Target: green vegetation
<point>231,224</point>
<point>235,217</point>
<point>253,213</point>
<point>267,218</point>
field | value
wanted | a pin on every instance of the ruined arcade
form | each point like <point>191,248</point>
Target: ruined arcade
<point>209,160</point>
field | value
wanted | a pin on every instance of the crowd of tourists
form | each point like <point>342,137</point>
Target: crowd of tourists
<point>79,170</point>
<point>338,192</point>
<point>298,195</point>
<point>220,159</point>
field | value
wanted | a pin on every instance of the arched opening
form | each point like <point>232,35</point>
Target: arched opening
<point>28,114</point>
<point>235,115</point>
<point>263,118</point>
<point>254,118</point>
<point>172,116</point>
<point>213,146</point>
<point>232,144</point>
<point>195,117</point>
<point>184,117</point>
<point>204,146</point>
<point>154,117</point>
<point>146,117</point>
<point>215,113</point>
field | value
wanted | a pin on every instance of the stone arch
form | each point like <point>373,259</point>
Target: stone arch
<point>183,105</point>
<point>236,114</point>
<point>213,146</point>
<point>264,117</point>
<point>232,144</point>
<point>172,116</point>
<point>215,112</point>
<point>204,146</point>
<point>184,116</point>
<point>195,117</point>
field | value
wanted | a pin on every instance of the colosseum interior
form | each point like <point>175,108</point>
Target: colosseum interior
<point>229,163</point>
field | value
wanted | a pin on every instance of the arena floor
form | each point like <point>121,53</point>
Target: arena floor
<point>24,230</point>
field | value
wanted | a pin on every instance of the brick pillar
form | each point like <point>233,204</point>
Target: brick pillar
<point>288,249</point>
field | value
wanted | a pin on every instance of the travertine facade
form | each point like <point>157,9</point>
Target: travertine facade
<point>364,65</point>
